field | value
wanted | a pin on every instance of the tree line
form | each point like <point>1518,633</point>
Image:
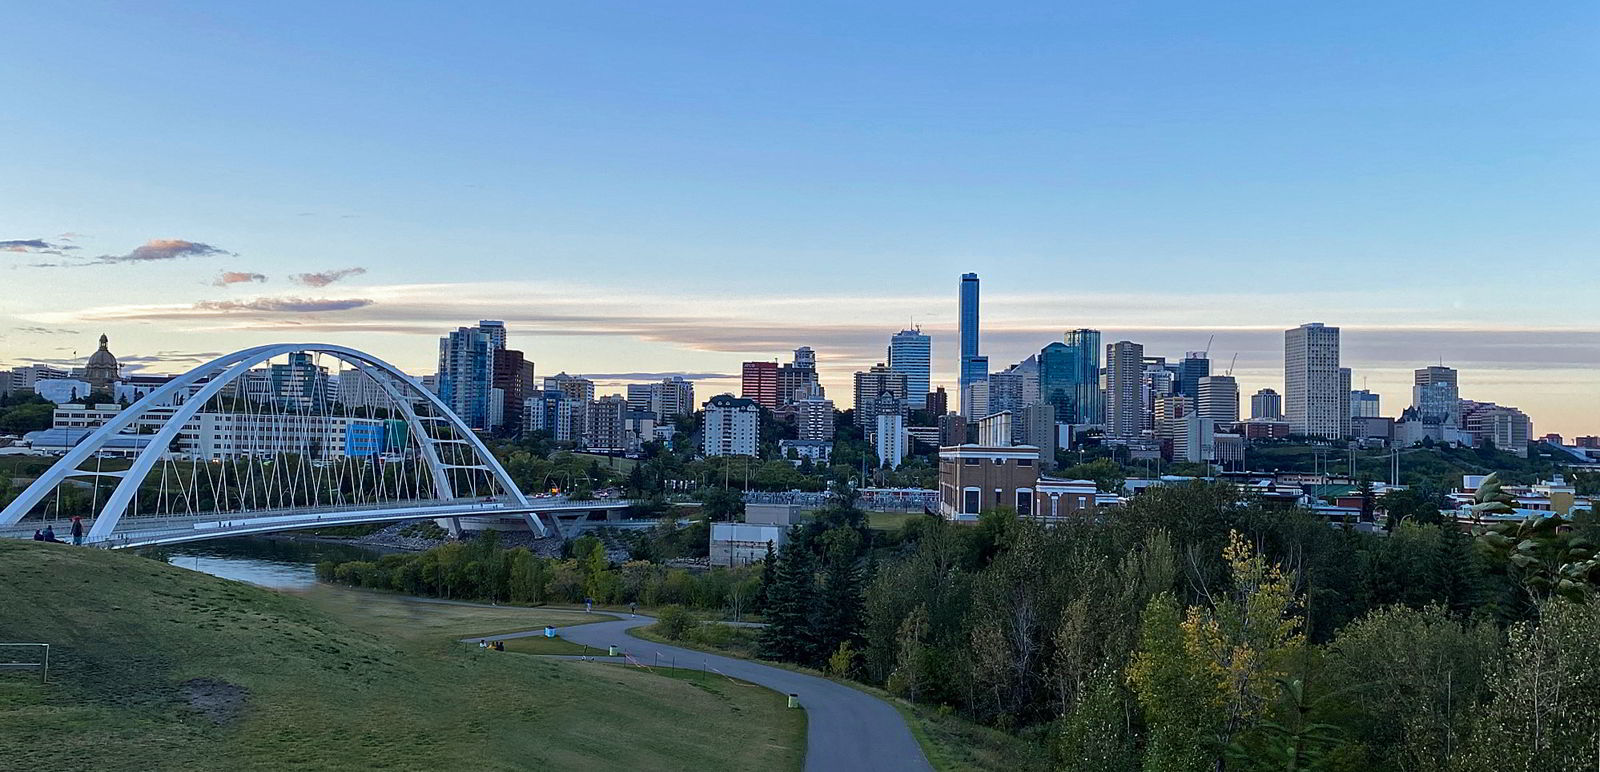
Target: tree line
<point>483,570</point>
<point>1195,631</point>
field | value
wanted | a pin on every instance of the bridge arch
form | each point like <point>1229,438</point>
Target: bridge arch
<point>208,381</point>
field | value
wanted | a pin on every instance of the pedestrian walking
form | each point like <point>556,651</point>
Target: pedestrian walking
<point>77,531</point>
<point>633,608</point>
<point>588,605</point>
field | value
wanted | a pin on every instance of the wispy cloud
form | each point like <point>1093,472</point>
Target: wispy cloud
<point>154,250</point>
<point>237,277</point>
<point>35,330</point>
<point>35,247</point>
<point>283,305</point>
<point>165,249</point>
<point>324,278</point>
<point>641,377</point>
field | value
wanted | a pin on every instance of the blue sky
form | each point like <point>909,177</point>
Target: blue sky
<point>679,187</point>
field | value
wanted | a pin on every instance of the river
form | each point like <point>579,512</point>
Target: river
<point>281,564</point>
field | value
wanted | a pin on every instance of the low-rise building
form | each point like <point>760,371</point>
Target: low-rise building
<point>976,478</point>
<point>793,451</point>
<point>740,544</point>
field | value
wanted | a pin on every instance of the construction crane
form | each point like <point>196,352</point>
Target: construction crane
<point>1229,371</point>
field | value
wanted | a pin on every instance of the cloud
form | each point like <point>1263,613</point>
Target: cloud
<point>237,277</point>
<point>655,376</point>
<point>45,330</point>
<point>34,247</point>
<point>164,249</point>
<point>283,305</point>
<point>324,278</point>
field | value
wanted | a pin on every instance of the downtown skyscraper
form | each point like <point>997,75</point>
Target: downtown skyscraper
<point>974,367</point>
<point>1316,395</point>
<point>910,352</point>
<point>1124,394</point>
<point>466,372</point>
<point>1069,377</point>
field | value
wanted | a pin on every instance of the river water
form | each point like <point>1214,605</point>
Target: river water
<point>281,564</point>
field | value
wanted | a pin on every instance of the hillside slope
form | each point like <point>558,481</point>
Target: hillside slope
<point>159,667</point>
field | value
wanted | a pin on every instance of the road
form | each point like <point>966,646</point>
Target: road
<point>846,729</point>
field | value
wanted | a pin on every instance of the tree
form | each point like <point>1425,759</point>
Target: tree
<point>1411,680</point>
<point>1206,681</point>
<point>722,504</point>
<point>839,606</point>
<point>769,569</point>
<point>791,608</point>
<point>1108,475</point>
<point>27,418</point>
<point>1545,709</point>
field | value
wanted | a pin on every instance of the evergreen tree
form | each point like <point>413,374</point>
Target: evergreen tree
<point>840,602</point>
<point>791,607</point>
<point>769,569</point>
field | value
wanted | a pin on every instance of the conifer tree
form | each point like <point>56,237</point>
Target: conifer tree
<point>791,607</point>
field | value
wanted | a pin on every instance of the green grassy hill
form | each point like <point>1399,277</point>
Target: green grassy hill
<point>157,667</point>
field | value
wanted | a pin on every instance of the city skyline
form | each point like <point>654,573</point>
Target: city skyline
<point>858,347</point>
<point>587,174</point>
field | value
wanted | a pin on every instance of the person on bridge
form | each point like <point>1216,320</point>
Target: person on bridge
<point>77,531</point>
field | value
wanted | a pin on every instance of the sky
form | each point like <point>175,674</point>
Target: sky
<point>645,189</point>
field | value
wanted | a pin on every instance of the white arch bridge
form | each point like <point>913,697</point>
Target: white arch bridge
<point>259,441</point>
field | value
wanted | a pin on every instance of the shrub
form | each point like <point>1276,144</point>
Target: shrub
<point>674,622</point>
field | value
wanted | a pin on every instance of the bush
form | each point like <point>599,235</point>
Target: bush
<point>674,622</point>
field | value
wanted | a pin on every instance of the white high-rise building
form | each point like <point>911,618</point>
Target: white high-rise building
<point>890,439</point>
<point>733,427</point>
<point>815,419</point>
<point>1124,381</point>
<point>1316,394</point>
<point>1218,398</point>
<point>672,397</point>
<point>910,352</point>
<point>975,399</point>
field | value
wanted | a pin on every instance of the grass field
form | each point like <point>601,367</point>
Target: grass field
<point>890,521</point>
<point>156,667</point>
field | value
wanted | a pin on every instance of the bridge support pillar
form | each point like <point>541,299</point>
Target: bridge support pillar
<point>535,526</point>
<point>454,527</point>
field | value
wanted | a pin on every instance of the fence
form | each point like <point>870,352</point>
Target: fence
<point>43,666</point>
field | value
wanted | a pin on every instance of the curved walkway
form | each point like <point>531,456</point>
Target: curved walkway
<point>846,729</point>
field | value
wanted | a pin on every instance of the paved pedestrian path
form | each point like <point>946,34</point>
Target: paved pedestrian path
<point>846,729</point>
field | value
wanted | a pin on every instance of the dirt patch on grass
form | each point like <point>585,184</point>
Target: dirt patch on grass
<point>216,701</point>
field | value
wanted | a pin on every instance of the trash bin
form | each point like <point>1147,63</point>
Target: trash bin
<point>612,650</point>
<point>794,700</point>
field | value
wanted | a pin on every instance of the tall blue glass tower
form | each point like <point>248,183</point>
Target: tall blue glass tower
<point>1088,399</point>
<point>973,367</point>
